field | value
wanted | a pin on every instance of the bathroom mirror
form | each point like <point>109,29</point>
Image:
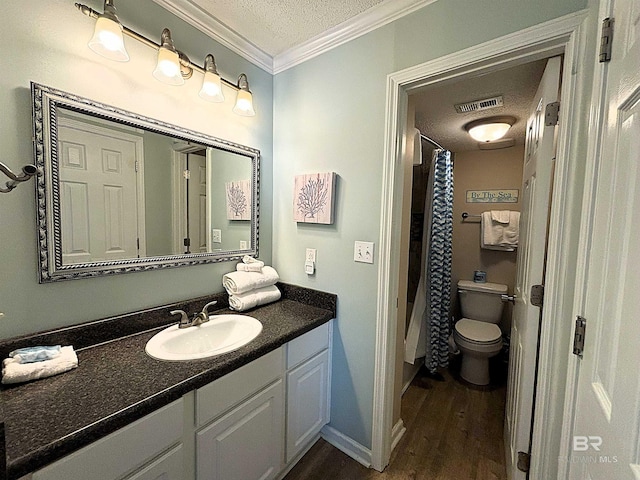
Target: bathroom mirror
<point>124,193</point>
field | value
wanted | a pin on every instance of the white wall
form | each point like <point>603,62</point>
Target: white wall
<point>329,116</point>
<point>45,41</point>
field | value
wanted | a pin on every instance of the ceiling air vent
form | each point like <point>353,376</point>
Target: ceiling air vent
<point>478,105</point>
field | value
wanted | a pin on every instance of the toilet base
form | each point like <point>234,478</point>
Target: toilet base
<point>475,370</point>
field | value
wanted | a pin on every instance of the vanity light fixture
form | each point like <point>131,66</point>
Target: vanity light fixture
<point>168,65</point>
<point>211,84</point>
<point>244,100</point>
<point>173,66</point>
<point>107,37</point>
<point>489,129</point>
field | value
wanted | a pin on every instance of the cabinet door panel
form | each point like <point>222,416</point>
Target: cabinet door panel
<point>307,402</point>
<point>246,443</point>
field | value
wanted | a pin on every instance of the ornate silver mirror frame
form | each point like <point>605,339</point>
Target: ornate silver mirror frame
<point>46,102</point>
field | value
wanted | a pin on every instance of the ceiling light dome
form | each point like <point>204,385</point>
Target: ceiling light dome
<point>489,129</point>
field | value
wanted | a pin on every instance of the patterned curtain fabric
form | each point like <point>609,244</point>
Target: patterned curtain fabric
<point>438,265</point>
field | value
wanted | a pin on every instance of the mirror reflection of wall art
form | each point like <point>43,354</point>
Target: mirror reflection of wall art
<point>313,198</point>
<point>238,200</point>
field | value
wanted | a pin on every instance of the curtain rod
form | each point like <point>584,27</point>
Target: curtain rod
<point>433,142</point>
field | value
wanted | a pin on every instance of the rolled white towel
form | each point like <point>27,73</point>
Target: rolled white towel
<point>241,282</point>
<point>15,372</point>
<point>250,264</point>
<point>261,296</point>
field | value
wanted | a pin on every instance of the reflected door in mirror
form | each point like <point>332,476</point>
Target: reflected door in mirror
<point>98,190</point>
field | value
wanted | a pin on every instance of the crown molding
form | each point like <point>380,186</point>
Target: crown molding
<point>210,26</point>
<point>376,17</point>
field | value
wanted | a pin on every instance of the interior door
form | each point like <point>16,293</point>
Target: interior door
<point>98,193</point>
<point>536,194</point>
<point>605,440</point>
<point>197,203</point>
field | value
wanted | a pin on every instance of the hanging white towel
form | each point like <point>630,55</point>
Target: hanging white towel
<point>14,372</point>
<point>254,298</point>
<point>241,282</point>
<point>499,236</point>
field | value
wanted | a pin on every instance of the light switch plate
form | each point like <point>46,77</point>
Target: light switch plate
<point>363,252</point>
<point>216,235</point>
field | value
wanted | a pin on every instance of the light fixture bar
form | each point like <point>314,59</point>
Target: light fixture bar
<point>184,60</point>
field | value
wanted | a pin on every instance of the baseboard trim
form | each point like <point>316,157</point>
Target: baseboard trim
<point>358,452</point>
<point>397,433</point>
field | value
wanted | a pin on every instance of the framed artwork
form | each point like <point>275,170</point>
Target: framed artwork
<point>313,198</point>
<point>238,200</point>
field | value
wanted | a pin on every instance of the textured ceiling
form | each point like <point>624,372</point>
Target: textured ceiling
<point>277,25</point>
<point>437,118</point>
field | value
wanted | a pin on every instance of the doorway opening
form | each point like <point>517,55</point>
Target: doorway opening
<point>517,49</point>
<point>488,180</point>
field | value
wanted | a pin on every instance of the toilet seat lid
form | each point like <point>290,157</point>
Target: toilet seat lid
<point>478,331</point>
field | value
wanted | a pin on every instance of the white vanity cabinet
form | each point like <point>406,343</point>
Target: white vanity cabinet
<point>243,417</point>
<point>307,389</point>
<point>147,449</point>
<point>252,424</point>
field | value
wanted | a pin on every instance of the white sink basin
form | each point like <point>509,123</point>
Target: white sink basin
<point>221,334</point>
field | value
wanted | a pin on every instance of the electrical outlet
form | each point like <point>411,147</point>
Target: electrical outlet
<point>311,255</point>
<point>363,252</point>
<point>243,245</point>
<point>216,235</point>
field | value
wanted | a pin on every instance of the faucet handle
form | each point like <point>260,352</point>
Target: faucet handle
<point>205,309</point>
<point>184,318</point>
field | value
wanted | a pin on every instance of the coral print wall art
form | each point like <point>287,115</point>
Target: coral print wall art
<point>238,200</point>
<point>313,198</point>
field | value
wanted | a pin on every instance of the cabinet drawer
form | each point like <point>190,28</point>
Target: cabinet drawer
<point>307,345</point>
<point>214,399</point>
<point>122,451</point>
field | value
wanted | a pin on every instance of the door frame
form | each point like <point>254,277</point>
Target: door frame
<point>565,35</point>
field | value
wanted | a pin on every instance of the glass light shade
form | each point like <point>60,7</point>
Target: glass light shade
<point>489,132</point>
<point>211,88</point>
<point>168,67</point>
<point>244,104</point>
<point>108,41</point>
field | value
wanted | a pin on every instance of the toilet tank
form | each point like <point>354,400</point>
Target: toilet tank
<point>481,301</point>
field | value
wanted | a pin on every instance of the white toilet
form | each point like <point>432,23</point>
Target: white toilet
<point>477,334</point>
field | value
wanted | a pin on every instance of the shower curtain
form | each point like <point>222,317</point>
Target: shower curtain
<point>438,264</point>
<point>429,327</point>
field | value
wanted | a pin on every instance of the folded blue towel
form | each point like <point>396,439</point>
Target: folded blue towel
<point>35,354</point>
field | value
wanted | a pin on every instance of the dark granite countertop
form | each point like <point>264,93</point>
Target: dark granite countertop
<point>117,383</point>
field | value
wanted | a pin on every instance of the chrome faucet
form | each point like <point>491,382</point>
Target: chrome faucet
<point>198,318</point>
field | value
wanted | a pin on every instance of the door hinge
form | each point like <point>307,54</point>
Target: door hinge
<point>578,336</point>
<point>186,174</point>
<point>552,114</point>
<point>537,295</point>
<point>605,40</point>
<point>524,461</point>
<point>137,166</point>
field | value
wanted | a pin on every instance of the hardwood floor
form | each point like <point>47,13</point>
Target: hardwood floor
<point>454,432</point>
